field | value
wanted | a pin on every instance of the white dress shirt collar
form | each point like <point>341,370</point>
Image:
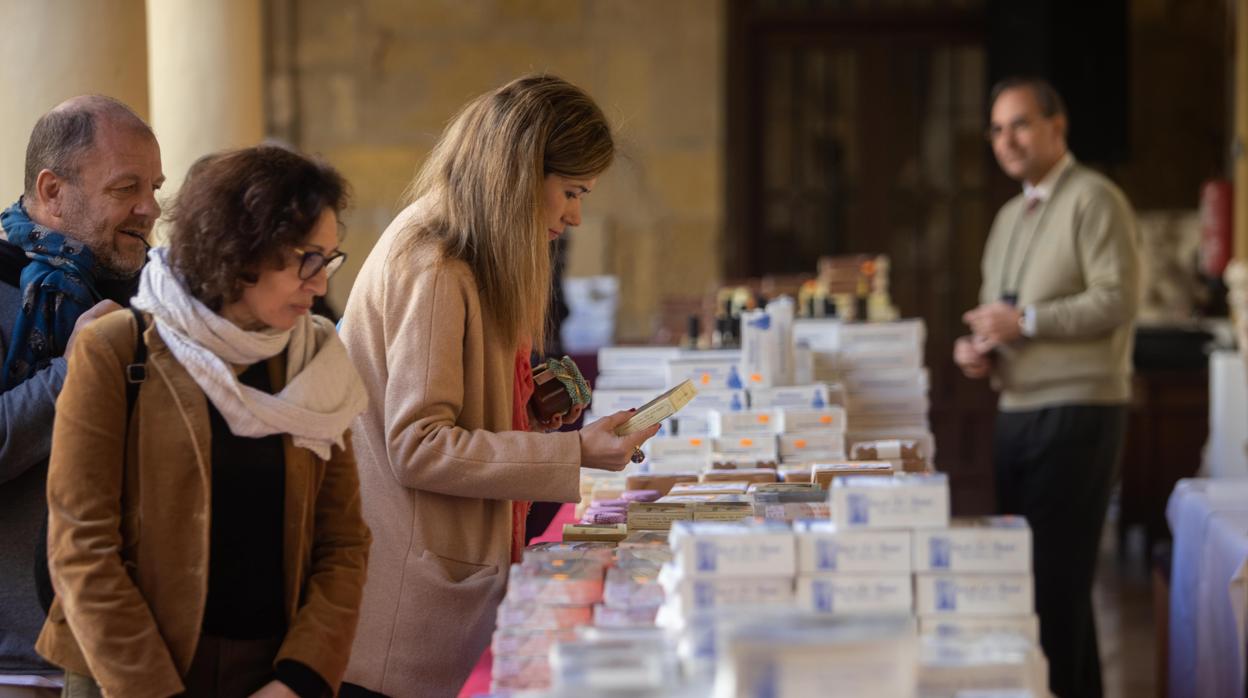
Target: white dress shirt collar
<point>1044,189</point>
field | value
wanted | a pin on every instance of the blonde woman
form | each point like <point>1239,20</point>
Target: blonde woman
<point>440,324</point>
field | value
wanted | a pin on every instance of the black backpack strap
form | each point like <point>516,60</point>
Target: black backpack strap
<point>136,370</point>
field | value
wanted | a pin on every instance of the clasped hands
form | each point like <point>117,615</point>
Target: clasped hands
<point>992,325</point>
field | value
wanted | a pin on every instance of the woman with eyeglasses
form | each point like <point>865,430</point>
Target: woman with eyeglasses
<point>205,535</point>
<point>440,323</point>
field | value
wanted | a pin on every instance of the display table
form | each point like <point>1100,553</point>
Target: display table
<point>1209,587</point>
<point>479,681</point>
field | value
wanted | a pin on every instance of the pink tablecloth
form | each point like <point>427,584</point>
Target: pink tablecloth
<point>479,681</point>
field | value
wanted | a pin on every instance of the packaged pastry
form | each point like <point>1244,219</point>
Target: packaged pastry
<point>742,475</point>
<point>558,386</point>
<point>659,482</point>
<point>824,473</point>
<point>536,616</point>
<point>612,533</point>
<point>893,449</point>
<point>528,643</point>
<point>563,582</point>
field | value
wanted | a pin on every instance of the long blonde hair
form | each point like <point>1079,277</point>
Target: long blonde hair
<point>483,187</point>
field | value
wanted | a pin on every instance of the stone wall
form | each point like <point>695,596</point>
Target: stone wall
<point>369,85</point>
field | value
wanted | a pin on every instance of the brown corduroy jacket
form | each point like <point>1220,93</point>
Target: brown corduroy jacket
<point>128,542</point>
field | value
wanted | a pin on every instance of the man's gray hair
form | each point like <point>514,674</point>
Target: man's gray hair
<point>63,135</point>
<point>1051,103</point>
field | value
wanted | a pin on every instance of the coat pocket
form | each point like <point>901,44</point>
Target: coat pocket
<point>445,616</point>
<point>455,571</point>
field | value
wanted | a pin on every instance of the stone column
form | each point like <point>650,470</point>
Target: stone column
<point>55,49</point>
<point>205,73</point>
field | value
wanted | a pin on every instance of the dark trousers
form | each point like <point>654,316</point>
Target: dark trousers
<point>1056,467</point>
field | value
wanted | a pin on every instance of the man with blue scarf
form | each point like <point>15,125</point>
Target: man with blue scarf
<point>71,248</point>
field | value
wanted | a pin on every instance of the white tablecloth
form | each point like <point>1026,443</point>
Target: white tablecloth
<point>1228,416</point>
<point>1208,587</point>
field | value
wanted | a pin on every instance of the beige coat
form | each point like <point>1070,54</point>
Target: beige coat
<point>128,542</point>
<point>1074,261</point>
<point>439,467</point>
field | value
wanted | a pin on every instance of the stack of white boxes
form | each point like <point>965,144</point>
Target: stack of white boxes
<point>629,377</point>
<point>976,576</point>
<point>861,561</point>
<point>882,369</point>
<point>723,565</point>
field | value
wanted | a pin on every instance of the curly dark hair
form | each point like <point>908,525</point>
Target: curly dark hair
<point>238,212</point>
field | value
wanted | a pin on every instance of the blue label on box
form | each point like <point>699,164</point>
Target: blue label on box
<point>707,559</point>
<point>825,554</point>
<point>859,509</point>
<point>940,553</point>
<point>946,595</point>
<point>822,591</point>
<point>703,595</point>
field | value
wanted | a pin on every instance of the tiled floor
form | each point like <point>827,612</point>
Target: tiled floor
<point>1124,620</point>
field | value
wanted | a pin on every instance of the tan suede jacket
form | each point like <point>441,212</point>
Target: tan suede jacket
<point>128,542</point>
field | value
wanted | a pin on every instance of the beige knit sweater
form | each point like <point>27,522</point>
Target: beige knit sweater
<point>1075,260</point>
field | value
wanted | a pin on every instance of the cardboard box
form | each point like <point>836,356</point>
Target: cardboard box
<point>691,422</point>
<point>692,448</point>
<point>704,488</point>
<point>660,482</point>
<point>795,473</point>
<point>804,420</point>
<point>717,399</point>
<point>724,507</point>
<point>747,475</point>
<point>751,465</point>
<point>746,422</point>
<point>624,359</point>
<point>657,516</point>
<point>988,544</point>
<point>608,402</point>
<point>811,446</point>
<point>825,473</point>
<point>974,594</point>
<point>822,548</point>
<point>675,466</point>
<point>851,594</point>
<point>688,595</point>
<point>731,550</point>
<point>889,449</point>
<point>748,448</point>
<point>903,380</point>
<point>955,624</point>
<point>814,396</point>
<point>612,533</point>
<point>902,501</point>
<point>707,372</point>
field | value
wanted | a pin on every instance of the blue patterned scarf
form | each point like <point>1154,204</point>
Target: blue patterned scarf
<point>56,287</point>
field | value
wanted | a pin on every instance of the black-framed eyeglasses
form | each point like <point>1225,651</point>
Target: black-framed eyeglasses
<point>312,262</point>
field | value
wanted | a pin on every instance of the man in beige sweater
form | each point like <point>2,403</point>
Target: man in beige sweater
<point>1054,332</point>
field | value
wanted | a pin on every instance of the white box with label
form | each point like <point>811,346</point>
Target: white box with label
<point>901,501</point>
<point>733,550</point>
<point>822,548</point>
<point>974,594</point>
<point>850,594</point>
<point>987,544</point>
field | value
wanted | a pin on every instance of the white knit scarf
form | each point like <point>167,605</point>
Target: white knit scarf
<point>323,391</point>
